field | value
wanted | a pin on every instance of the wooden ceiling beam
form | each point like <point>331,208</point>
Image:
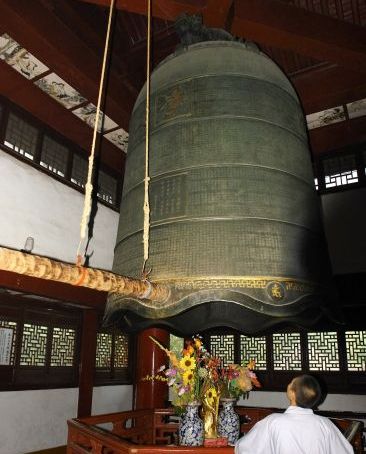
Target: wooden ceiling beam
<point>338,136</point>
<point>278,24</point>
<point>28,96</point>
<point>162,9</point>
<point>328,86</point>
<point>216,13</point>
<point>61,49</point>
<point>64,293</point>
<point>273,23</point>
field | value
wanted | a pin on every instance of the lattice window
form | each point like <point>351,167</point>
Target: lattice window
<point>341,179</point>
<point>254,348</point>
<point>107,188</point>
<point>356,350</point>
<point>79,170</point>
<point>34,343</point>
<point>223,346</point>
<point>316,184</point>
<point>340,171</point>
<point>20,136</point>
<point>63,347</point>
<point>54,156</point>
<point>286,351</point>
<point>104,350</point>
<point>323,351</point>
<point>120,351</point>
<point>9,325</point>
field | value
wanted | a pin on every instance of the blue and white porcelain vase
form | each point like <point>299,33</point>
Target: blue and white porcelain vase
<point>228,423</point>
<point>191,430</point>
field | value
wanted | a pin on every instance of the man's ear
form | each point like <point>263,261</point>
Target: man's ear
<point>291,394</point>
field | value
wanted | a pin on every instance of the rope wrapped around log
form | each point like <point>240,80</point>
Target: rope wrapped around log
<point>45,268</point>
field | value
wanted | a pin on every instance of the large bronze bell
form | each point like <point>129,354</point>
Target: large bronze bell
<point>235,219</point>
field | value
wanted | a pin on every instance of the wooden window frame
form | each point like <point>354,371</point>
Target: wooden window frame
<point>108,376</point>
<point>16,377</point>
<point>44,130</point>
<point>355,150</point>
<point>342,381</point>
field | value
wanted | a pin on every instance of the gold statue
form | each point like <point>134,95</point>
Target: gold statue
<point>210,410</point>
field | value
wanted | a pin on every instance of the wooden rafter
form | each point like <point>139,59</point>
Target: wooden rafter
<point>342,86</point>
<point>54,43</point>
<point>163,9</point>
<point>281,25</point>
<point>216,13</point>
<point>25,94</point>
<point>273,23</point>
<point>338,135</point>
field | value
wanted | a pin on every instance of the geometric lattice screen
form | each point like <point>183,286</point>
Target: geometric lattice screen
<point>120,351</point>
<point>34,343</point>
<point>63,347</point>
<point>356,350</point>
<point>286,351</point>
<point>323,351</point>
<point>54,156</point>
<point>21,136</point>
<point>341,179</point>
<point>79,171</point>
<point>222,346</point>
<point>13,326</point>
<point>254,348</point>
<point>104,350</point>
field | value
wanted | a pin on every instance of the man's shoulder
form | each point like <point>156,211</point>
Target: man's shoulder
<point>274,417</point>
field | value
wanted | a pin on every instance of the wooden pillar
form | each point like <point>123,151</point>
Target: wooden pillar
<point>149,357</point>
<point>87,362</point>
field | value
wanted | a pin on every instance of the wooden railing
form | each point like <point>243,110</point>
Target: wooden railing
<point>155,431</point>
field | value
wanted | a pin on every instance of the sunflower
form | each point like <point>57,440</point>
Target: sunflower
<point>187,363</point>
<point>188,377</point>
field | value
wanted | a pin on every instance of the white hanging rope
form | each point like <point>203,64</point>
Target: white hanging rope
<point>89,185</point>
<point>146,209</point>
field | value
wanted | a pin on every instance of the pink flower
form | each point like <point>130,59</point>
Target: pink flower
<point>182,390</point>
<point>171,372</point>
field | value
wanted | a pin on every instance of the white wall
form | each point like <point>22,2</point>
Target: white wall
<point>35,420</point>
<point>333,402</point>
<point>33,204</point>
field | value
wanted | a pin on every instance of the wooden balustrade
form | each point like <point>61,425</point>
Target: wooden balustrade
<point>155,431</point>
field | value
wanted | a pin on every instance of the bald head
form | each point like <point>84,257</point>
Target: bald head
<point>304,391</point>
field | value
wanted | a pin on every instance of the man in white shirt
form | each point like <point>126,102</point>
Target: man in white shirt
<point>298,430</point>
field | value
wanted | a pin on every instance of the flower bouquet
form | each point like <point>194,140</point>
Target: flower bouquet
<point>191,375</point>
<point>236,381</point>
<point>196,377</point>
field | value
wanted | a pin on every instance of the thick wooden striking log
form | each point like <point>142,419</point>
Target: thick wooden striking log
<point>45,268</point>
